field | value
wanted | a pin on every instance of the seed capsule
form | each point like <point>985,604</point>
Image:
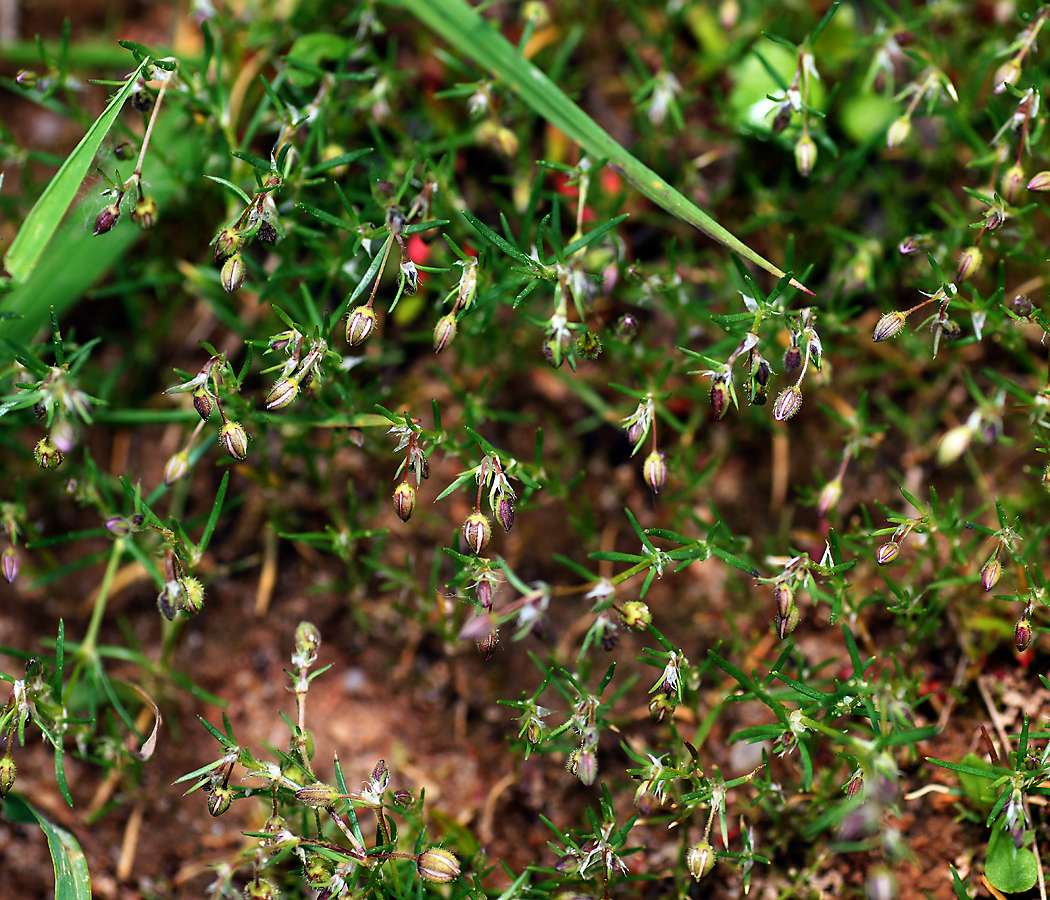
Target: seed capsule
<point>969,262</point>
<point>1023,633</point>
<point>317,795</point>
<point>437,865</point>
<point>46,454</point>
<point>887,553</point>
<point>700,859</point>
<point>360,324</point>
<point>635,614</point>
<point>654,470</point>
<point>1013,182</point>
<point>477,532</point>
<point>991,573</point>
<point>788,402</point>
<point>177,467</point>
<point>219,800</point>
<point>234,439</point>
<point>107,219</point>
<point>898,132</point>
<point>282,393</point>
<point>404,501</point>
<point>890,325</point>
<point>145,213</point>
<point>202,402</point>
<point>719,397</point>
<point>805,155</point>
<point>232,275</point>
<point>444,332</point>
<point>1040,181</point>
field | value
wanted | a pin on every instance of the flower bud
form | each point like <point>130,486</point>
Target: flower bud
<point>193,595</point>
<point>9,564</point>
<point>8,773</point>
<point>232,274</point>
<point>969,262</point>
<point>555,346</point>
<point>46,454</point>
<point>282,393</point>
<point>991,573</point>
<point>170,599</point>
<point>784,596</point>
<point>317,795</point>
<point>782,118</point>
<point>107,219</point>
<point>805,155</point>
<point>360,324</point>
<point>788,402</point>
<point>830,495</point>
<point>898,132</point>
<point>627,326</point>
<point>227,243</point>
<point>953,444</point>
<point>887,553</point>
<point>654,471</point>
<point>437,866</point>
<point>118,526</point>
<point>234,439</point>
<point>792,359</point>
<point>143,101</point>
<point>635,614</point>
<point>260,889</point>
<point>1021,306</point>
<point>505,513</point>
<point>176,468</point>
<point>890,325</point>
<point>145,213</point>
<point>219,800</point>
<point>719,397</point>
<point>267,233</point>
<point>1007,73</point>
<point>307,641</point>
<point>1040,181</point>
<point>787,624</point>
<point>1013,181</point>
<point>660,705</point>
<point>63,434</point>
<point>589,345</point>
<point>27,78</point>
<point>404,501</point>
<point>318,871</point>
<point>202,402</point>
<point>700,859</point>
<point>409,276</point>
<point>1023,633</point>
<point>583,764</point>
<point>477,532</point>
<point>444,332</point>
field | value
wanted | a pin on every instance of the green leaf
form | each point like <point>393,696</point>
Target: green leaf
<point>47,214</point>
<point>472,36</point>
<point>1008,869</point>
<point>72,880</point>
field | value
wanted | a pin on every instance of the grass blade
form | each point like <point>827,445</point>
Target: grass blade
<point>72,880</point>
<point>45,217</point>
<point>472,36</point>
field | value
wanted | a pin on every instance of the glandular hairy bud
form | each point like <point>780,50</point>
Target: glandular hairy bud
<point>991,573</point>
<point>583,764</point>
<point>654,471</point>
<point>444,332</point>
<point>437,866</point>
<point>953,444</point>
<point>46,454</point>
<point>177,467</point>
<point>261,889</point>
<point>890,325</point>
<point>232,275</point>
<point>282,393</point>
<point>318,871</point>
<point>969,262</point>
<point>635,614</point>
<point>317,795</point>
<point>1040,181</point>
<point>360,324</point>
<point>404,501</point>
<point>788,402</point>
<point>8,773</point>
<point>107,219</point>
<point>898,132</point>
<point>719,397</point>
<point>1023,633</point>
<point>227,243</point>
<point>307,642</point>
<point>830,495</point>
<point>1012,183</point>
<point>477,532</point>
<point>505,513</point>
<point>805,155</point>
<point>589,345</point>
<point>9,564</point>
<point>234,439</point>
<point>219,800</point>
<point>700,859</point>
<point>145,213</point>
<point>887,553</point>
<point>267,233</point>
<point>193,596</point>
<point>203,403</point>
<point>792,359</point>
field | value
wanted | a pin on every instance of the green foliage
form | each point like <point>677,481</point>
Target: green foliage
<point>380,284</point>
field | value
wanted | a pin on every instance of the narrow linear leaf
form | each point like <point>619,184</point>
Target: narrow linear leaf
<point>472,36</point>
<point>72,879</point>
<point>47,214</point>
